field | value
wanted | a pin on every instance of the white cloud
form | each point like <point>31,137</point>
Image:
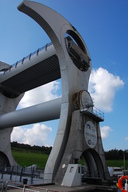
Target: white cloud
<point>41,94</point>
<point>105,131</point>
<point>37,135</point>
<point>17,134</point>
<point>102,87</point>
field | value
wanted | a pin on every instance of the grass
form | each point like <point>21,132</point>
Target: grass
<point>28,158</point>
<point>117,163</point>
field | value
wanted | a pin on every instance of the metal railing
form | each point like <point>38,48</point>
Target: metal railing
<point>17,174</point>
<point>5,186</point>
<point>98,112</point>
<point>24,58</point>
<point>11,186</point>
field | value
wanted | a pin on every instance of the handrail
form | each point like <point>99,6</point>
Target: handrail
<point>95,113</point>
<point>26,57</point>
<point>98,112</point>
<point>32,54</point>
<point>6,185</point>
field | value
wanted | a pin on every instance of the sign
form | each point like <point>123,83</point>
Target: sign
<point>90,134</point>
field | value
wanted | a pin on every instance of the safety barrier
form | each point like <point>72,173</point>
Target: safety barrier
<point>27,57</point>
<point>12,186</point>
<point>18,174</point>
<point>98,112</point>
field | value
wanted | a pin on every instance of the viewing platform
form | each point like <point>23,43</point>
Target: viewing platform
<point>96,114</point>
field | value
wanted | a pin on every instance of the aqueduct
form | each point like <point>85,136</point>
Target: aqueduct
<point>78,134</point>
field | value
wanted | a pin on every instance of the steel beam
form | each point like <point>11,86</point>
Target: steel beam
<point>38,113</point>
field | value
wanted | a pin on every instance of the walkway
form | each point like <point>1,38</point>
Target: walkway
<point>57,188</point>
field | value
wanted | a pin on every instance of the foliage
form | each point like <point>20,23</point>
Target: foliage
<point>43,149</point>
<point>26,155</point>
<point>28,158</point>
<point>115,154</point>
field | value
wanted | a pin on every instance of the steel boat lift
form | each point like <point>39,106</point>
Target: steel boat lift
<point>78,134</point>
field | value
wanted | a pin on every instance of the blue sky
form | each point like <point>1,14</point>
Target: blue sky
<point>103,26</point>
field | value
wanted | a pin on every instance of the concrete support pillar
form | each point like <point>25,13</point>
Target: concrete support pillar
<point>7,105</point>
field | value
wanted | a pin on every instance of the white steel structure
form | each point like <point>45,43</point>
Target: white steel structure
<point>78,134</point>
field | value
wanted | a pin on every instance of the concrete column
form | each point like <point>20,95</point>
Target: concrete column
<point>7,105</point>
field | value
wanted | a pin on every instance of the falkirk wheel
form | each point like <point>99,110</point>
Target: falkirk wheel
<point>78,136</point>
